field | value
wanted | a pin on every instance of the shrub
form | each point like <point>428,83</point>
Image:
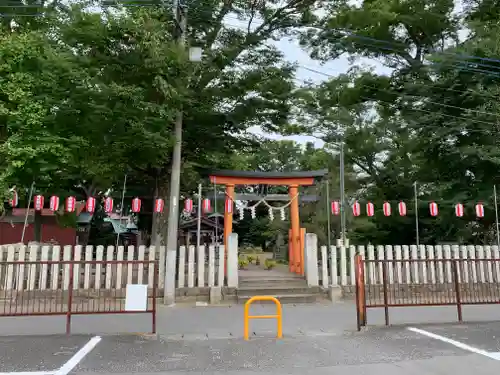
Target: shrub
<point>270,264</point>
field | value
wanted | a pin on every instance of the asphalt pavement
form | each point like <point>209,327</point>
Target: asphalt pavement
<point>192,322</point>
<point>458,348</point>
<point>320,339</point>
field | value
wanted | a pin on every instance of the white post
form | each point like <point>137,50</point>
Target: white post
<point>311,259</point>
<point>201,266</point>
<point>232,260</point>
<point>333,261</point>
<point>324,267</point>
<point>182,266</point>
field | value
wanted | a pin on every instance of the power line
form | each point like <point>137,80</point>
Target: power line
<point>415,96</point>
<point>413,84</point>
<point>350,33</point>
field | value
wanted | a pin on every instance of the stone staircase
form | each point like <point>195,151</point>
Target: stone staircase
<point>287,287</point>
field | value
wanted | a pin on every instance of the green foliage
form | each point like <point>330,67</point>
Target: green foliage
<point>432,120</point>
<point>242,262</point>
<point>251,258</point>
<point>269,264</point>
<point>66,220</point>
<point>88,97</point>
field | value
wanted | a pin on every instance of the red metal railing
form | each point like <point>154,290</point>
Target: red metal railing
<point>434,282</point>
<point>44,288</point>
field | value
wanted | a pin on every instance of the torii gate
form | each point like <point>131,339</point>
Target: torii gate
<point>291,179</point>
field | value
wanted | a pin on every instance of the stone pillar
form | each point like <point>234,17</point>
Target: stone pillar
<point>302,251</point>
<point>232,260</point>
<point>311,260</point>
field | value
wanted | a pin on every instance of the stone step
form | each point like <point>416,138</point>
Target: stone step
<point>285,299</point>
<point>267,284</point>
<point>272,290</point>
<point>260,280</point>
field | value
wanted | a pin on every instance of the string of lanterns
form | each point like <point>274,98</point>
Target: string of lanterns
<point>387,209</point>
<point>158,207</point>
<point>90,203</point>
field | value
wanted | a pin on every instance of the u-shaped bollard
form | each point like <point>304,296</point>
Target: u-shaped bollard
<point>278,316</point>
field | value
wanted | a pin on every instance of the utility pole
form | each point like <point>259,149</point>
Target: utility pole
<point>328,211</point>
<point>496,215</point>
<point>173,214</point>
<point>198,228</point>
<point>415,191</point>
<point>342,194</point>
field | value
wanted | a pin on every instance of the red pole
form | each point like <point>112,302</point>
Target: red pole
<point>155,286</point>
<point>70,292</point>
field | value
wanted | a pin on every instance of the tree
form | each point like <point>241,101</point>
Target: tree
<point>70,123</point>
<point>418,124</point>
<point>119,78</point>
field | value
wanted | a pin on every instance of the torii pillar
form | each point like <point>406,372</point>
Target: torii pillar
<point>291,179</point>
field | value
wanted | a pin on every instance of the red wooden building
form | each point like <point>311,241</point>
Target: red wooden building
<point>11,227</point>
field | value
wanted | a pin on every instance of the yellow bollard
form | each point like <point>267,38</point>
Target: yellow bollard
<point>278,316</point>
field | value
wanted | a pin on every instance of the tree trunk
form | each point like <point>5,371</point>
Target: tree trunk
<point>38,226</point>
<point>160,220</point>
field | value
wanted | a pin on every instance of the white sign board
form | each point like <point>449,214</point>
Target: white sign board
<point>136,297</point>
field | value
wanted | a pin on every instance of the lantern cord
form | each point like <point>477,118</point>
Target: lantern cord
<point>27,211</point>
<point>121,211</point>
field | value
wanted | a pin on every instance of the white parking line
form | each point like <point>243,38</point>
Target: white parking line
<point>77,358</point>
<point>458,344</point>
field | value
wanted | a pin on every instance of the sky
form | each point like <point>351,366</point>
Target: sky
<point>294,53</point>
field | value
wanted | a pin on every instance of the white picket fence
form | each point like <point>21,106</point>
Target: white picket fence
<point>205,267</point>
<point>336,266</point>
<point>202,268</point>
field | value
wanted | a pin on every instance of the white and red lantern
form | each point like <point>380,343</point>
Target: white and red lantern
<point>90,205</point>
<point>38,202</point>
<point>356,209</point>
<point>459,210</point>
<point>136,205</point>
<point>14,200</point>
<point>336,208</point>
<point>479,210</point>
<point>402,208</point>
<point>229,206</point>
<point>108,205</point>
<point>206,205</point>
<point>188,205</point>
<point>370,209</point>
<point>159,205</point>
<point>54,203</point>
<point>70,204</point>
<point>433,208</point>
<point>387,209</point>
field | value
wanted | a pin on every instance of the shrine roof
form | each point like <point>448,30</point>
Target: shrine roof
<point>259,174</point>
<point>302,178</point>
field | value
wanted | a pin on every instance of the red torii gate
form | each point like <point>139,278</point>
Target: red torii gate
<point>293,180</point>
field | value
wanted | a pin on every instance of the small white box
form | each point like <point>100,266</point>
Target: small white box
<point>136,297</point>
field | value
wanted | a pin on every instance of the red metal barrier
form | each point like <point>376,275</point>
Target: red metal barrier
<point>69,288</point>
<point>360,291</point>
<point>445,282</point>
